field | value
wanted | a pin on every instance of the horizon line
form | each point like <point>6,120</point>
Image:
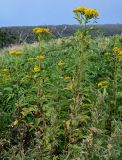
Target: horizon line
<point>7,26</point>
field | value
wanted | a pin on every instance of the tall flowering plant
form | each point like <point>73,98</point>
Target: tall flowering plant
<point>43,34</point>
<point>83,15</point>
<point>78,113</point>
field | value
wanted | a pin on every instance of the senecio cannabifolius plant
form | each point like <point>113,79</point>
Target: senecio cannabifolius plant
<point>77,112</point>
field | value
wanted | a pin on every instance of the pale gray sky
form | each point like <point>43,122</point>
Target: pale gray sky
<point>41,12</point>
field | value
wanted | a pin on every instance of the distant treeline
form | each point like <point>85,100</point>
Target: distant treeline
<point>18,35</point>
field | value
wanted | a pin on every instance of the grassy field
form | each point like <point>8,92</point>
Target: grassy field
<point>65,103</point>
<point>62,99</point>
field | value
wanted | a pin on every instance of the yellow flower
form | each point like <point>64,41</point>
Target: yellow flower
<point>67,78</point>
<point>61,63</point>
<point>12,52</point>
<point>103,83</point>
<point>19,52</point>
<point>88,12</point>
<point>46,79</point>
<point>41,30</point>
<point>5,70</point>
<point>36,69</point>
<point>117,51</point>
<point>15,52</point>
<point>120,53</point>
<point>41,57</point>
<point>30,59</point>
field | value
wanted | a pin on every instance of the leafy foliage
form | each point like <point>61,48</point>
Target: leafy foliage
<point>53,118</point>
<point>6,38</point>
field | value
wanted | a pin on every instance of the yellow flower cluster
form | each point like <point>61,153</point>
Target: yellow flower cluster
<point>117,51</point>
<point>36,69</point>
<point>102,83</point>
<point>15,52</point>
<point>41,57</point>
<point>5,70</point>
<point>31,59</point>
<point>88,12</point>
<point>66,78</point>
<point>61,63</point>
<point>41,30</point>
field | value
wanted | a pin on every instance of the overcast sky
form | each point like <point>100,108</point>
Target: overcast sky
<point>43,12</point>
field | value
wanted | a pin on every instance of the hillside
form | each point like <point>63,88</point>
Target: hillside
<point>18,35</point>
